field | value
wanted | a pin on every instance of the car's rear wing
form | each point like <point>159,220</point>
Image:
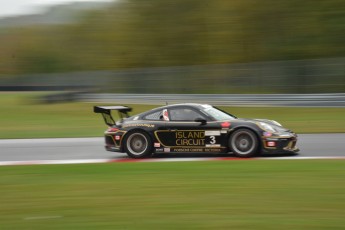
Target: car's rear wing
<point>106,112</point>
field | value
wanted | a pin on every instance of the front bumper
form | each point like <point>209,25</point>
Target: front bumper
<point>280,144</point>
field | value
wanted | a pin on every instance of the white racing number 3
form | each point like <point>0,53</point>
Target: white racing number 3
<point>213,140</point>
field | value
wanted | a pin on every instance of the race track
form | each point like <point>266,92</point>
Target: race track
<point>327,145</point>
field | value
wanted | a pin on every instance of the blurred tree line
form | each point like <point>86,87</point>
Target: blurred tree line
<point>153,33</point>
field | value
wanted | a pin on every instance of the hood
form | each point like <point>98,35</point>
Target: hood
<point>273,123</point>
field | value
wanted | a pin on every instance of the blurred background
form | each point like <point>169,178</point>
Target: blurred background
<point>117,48</point>
<point>58,58</point>
<point>180,46</point>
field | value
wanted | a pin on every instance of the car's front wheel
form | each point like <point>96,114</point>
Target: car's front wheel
<point>138,144</point>
<point>243,143</point>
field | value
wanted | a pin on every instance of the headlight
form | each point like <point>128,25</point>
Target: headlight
<point>276,123</point>
<point>266,127</point>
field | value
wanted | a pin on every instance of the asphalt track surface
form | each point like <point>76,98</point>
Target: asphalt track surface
<point>311,145</point>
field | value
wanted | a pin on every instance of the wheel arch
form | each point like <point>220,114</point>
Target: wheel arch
<point>256,132</point>
<point>122,148</point>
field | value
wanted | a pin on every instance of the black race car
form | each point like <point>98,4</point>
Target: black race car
<point>193,128</point>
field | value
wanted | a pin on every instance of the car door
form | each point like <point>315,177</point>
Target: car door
<point>187,129</point>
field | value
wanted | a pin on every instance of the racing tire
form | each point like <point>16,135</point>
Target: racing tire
<point>138,144</point>
<point>244,143</point>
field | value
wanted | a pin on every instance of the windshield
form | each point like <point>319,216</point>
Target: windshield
<point>218,115</point>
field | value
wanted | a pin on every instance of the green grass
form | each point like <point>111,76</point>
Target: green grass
<point>187,195</point>
<point>23,117</point>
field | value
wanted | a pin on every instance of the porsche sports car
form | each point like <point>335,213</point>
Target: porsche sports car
<point>193,128</point>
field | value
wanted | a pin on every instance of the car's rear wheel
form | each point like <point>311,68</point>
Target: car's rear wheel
<point>243,143</point>
<point>138,144</point>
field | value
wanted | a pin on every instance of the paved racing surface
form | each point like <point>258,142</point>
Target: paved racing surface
<point>326,145</point>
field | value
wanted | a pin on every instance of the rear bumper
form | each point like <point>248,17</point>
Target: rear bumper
<point>113,141</point>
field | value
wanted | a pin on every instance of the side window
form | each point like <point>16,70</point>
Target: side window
<point>156,116</point>
<point>184,114</point>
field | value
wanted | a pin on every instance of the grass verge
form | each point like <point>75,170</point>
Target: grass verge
<point>21,117</point>
<point>190,195</point>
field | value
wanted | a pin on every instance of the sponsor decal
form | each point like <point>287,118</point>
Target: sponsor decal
<point>159,150</point>
<point>224,131</point>
<point>187,138</point>
<point>212,133</point>
<point>196,150</point>
<point>267,134</point>
<point>167,150</point>
<point>213,150</point>
<point>225,124</point>
<point>271,144</point>
<point>138,125</point>
<point>182,150</point>
<point>190,138</point>
<point>165,115</point>
<point>214,145</point>
<point>117,138</point>
<point>190,134</point>
<point>157,145</point>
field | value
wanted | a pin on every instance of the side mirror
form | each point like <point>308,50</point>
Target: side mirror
<point>202,121</point>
